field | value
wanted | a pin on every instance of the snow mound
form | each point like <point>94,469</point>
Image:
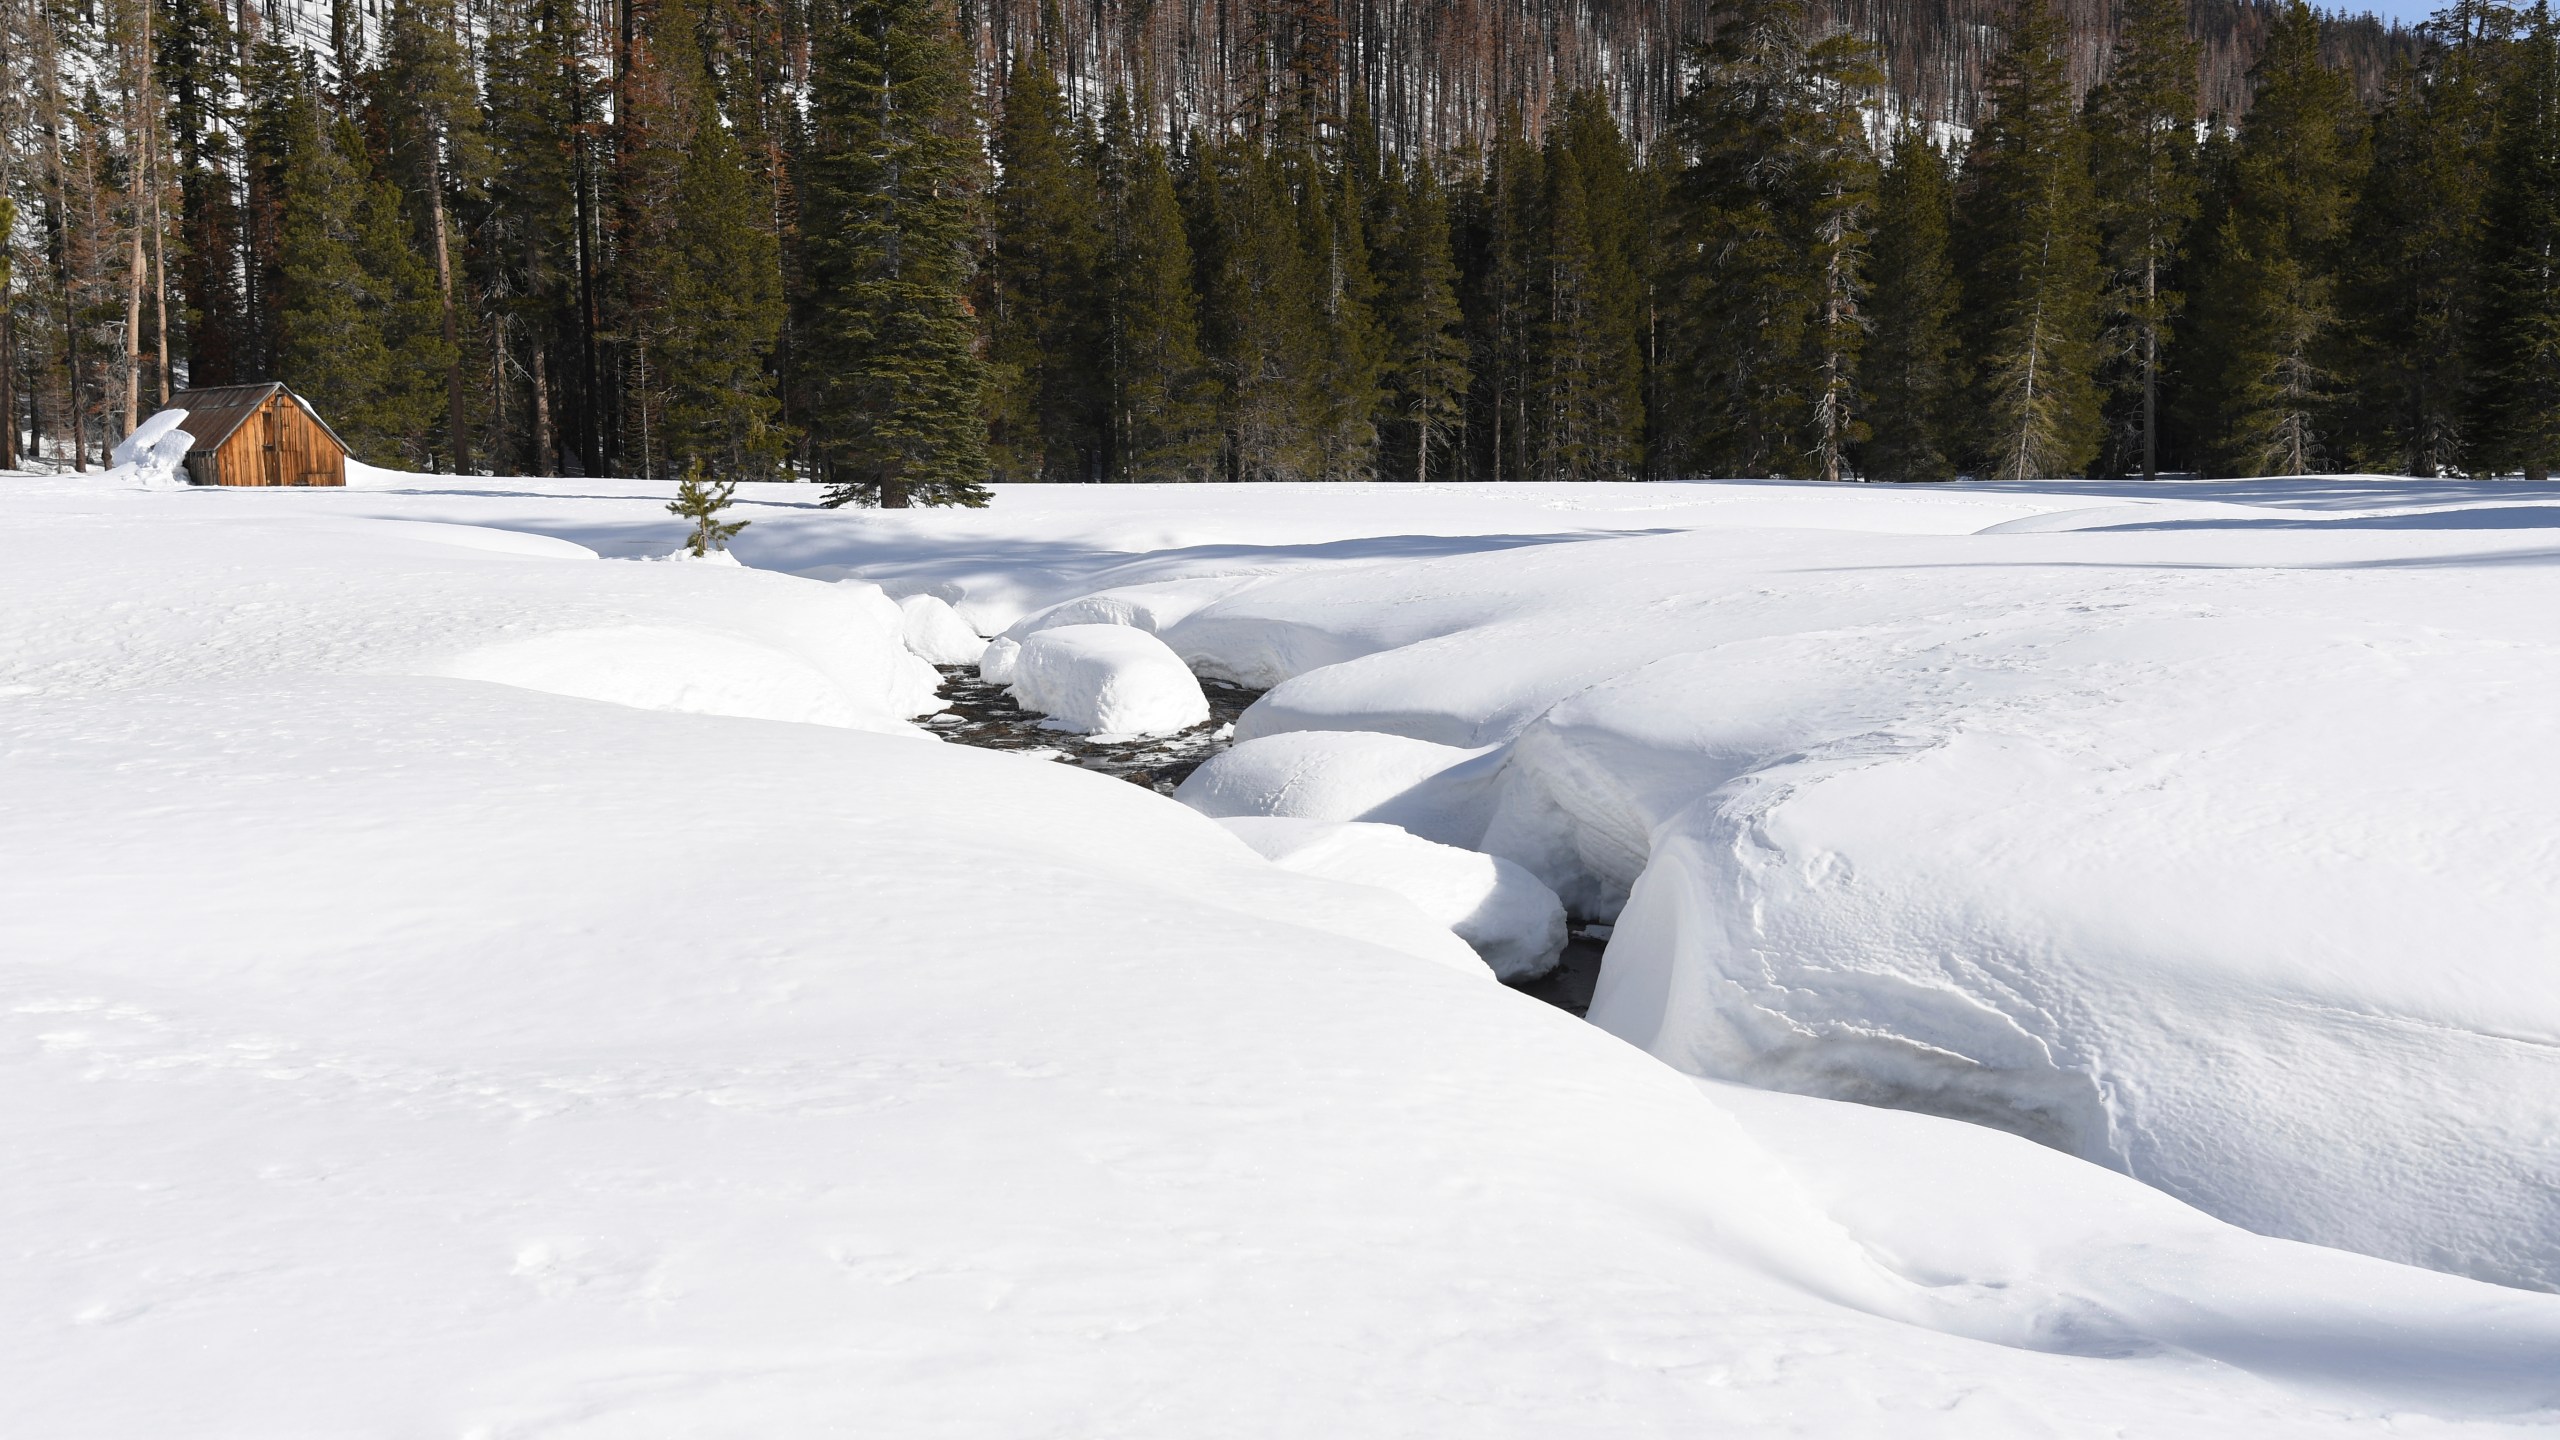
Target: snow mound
<point>1512,922</point>
<point>936,633</point>
<point>995,663</point>
<point>155,454</point>
<point>1107,680</point>
<point>1439,792</point>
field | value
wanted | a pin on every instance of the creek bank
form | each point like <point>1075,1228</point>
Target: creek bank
<point>986,716</point>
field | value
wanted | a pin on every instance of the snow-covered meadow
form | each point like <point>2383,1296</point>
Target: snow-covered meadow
<point>459,976</point>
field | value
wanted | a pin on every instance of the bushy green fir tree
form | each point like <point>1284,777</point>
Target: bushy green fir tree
<point>1044,392</point>
<point>890,182</point>
<point>1503,249</point>
<point>2517,407</point>
<point>724,305</point>
<point>1909,371</point>
<point>1346,381</point>
<point>1263,321</point>
<point>1588,415</point>
<point>2142,151</point>
<point>427,107</point>
<point>2030,264</point>
<point>2410,286</point>
<point>359,333</point>
<point>527,222</point>
<point>1773,226</point>
<point>1161,400</point>
<point>197,70</point>
<point>2267,334</point>
<point>1426,352</point>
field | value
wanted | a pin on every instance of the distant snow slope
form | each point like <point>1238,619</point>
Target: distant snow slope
<point>391,1053</point>
<point>2202,830</point>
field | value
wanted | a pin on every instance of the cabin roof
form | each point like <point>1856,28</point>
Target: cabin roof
<point>216,410</point>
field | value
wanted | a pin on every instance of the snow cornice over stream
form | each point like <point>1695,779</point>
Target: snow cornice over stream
<point>456,980</point>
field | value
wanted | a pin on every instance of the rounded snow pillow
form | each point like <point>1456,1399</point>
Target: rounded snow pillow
<point>1439,792</point>
<point>1107,680</point>
<point>995,663</point>
<point>1504,913</point>
<point>936,633</point>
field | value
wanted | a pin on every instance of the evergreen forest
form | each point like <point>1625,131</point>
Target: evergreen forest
<point>903,248</point>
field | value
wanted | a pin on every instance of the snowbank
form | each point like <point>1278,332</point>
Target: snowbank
<point>1512,922</point>
<point>1438,792</point>
<point>996,662</point>
<point>1107,680</point>
<point>389,1053</point>
<point>937,634</point>
<point>155,454</point>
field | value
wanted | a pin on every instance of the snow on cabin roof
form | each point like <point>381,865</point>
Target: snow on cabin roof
<point>216,410</point>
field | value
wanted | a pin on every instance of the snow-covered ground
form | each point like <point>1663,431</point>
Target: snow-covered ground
<point>452,984</point>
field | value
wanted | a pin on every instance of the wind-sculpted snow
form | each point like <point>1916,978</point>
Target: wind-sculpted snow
<point>390,1053</point>
<point>2252,781</point>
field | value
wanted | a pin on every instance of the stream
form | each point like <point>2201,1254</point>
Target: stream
<point>985,716</point>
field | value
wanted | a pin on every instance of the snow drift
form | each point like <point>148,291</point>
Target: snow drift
<point>1511,921</point>
<point>391,1053</point>
<point>1107,680</point>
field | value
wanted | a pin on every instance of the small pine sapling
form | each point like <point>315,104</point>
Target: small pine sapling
<point>701,501</point>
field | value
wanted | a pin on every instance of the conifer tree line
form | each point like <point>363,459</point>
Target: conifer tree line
<point>821,239</point>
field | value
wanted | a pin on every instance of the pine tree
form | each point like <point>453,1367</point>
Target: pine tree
<point>2268,327</point>
<point>1590,410</point>
<point>527,226</point>
<point>700,500</point>
<point>1262,322</point>
<point>1773,224</point>
<point>197,72</point>
<point>2518,367</point>
<point>2142,142</point>
<point>2410,289</point>
<point>1162,402</point>
<point>2031,281</point>
<point>891,179</point>
<point>360,335</point>
<point>1504,242</point>
<point>1426,370</point>
<point>659,121</point>
<point>429,107</point>
<point>1346,386</point>
<point>1909,370</point>
<point>724,306</point>
<point>1043,400</point>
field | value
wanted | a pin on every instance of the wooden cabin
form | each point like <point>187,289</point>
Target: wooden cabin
<point>261,434</point>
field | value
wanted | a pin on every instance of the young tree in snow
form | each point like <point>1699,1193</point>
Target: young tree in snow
<point>2518,405</point>
<point>700,500</point>
<point>1909,369</point>
<point>891,176</point>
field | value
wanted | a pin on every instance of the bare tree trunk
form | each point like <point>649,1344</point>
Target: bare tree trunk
<point>2150,368</point>
<point>159,226</point>
<point>542,440</point>
<point>133,336</point>
<point>459,438</point>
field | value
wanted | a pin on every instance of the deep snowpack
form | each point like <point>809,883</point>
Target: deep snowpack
<point>458,979</point>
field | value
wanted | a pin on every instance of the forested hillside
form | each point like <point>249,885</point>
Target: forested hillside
<point>906,248</point>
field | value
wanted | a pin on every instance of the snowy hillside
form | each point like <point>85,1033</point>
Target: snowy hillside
<point>464,979</point>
